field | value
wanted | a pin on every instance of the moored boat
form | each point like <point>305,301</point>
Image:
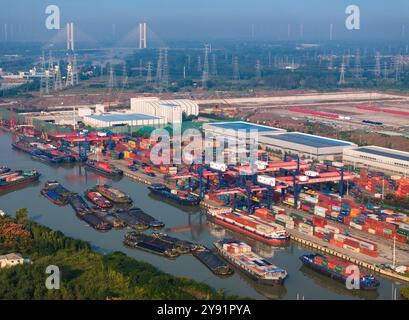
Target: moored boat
<point>240,255</point>
<point>104,168</point>
<point>113,194</point>
<point>98,199</point>
<point>252,226</point>
<point>56,193</point>
<point>24,178</point>
<point>180,197</point>
<point>336,269</point>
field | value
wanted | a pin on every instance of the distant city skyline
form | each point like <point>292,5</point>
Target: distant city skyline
<point>102,20</point>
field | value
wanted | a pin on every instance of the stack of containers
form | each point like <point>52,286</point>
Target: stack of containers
<point>306,229</point>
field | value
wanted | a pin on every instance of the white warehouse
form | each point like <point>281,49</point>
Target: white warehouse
<point>382,159</point>
<point>119,119</point>
<point>170,110</point>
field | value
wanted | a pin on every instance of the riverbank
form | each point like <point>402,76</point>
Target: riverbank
<point>312,242</point>
<point>86,274</point>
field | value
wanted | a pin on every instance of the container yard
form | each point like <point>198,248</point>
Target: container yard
<point>273,202</point>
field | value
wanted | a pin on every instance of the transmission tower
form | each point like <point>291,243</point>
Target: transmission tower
<point>124,76</point>
<point>199,64</point>
<point>205,75</point>
<point>44,75</point>
<point>377,70</point>
<point>159,69</point>
<point>342,74</point>
<point>236,70</point>
<point>149,72</point>
<point>358,71</point>
<point>258,70</point>
<point>165,74</point>
<point>385,71</point>
<point>57,78</point>
<point>398,67</point>
<point>111,79</point>
<point>331,62</point>
<point>214,66</point>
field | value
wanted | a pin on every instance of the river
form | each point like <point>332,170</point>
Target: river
<point>188,224</point>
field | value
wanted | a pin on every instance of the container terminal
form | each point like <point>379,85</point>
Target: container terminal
<point>313,195</point>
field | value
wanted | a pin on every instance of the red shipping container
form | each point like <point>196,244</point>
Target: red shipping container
<point>318,221</point>
<point>401,238</point>
<point>351,243</point>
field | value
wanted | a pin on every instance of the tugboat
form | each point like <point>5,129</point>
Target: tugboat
<point>98,199</point>
<point>113,194</point>
<point>180,197</point>
<point>335,268</point>
<point>56,193</point>
<point>104,168</point>
<point>20,179</point>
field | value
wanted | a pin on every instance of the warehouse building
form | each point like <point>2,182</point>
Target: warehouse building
<point>120,119</point>
<point>171,110</point>
<point>306,145</point>
<point>278,140</point>
<point>377,158</point>
<point>235,129</point>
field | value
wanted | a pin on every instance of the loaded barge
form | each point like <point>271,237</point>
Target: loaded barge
<point>254,227</point>
<point>151,244</point>
<point>213,262</point>
<point>182,246</point>
<point>56,193</point>
<point>84,212</point>
<point>240,255</point>
<point>113,194</point>
<point>336,268</point>
<point>18,178</point>
<point>180,197</point>
<point>98,199</point>
<point>137,219</point>
<point>104,168</point>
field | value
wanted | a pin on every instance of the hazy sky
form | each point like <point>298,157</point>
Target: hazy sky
<point>207,19</point>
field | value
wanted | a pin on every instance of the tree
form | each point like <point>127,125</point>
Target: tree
<point>22,215</point>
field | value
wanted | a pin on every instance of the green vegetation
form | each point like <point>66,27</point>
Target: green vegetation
<point>85,274</point>
<point>404,292</point>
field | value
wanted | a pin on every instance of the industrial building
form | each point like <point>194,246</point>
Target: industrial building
<point>278,140</point>
<point>118,119</point>
<point>233,130</point>
<point>306,145</point>
<point>171,110</point>
<point>381,159</point>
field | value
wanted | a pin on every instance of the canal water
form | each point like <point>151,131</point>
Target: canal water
<point>189,224</point>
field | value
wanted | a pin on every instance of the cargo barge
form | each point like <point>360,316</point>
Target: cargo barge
<point>150,244</point>
<point>137,219</point>
<point>241,256</point>
<point>46,157</point>
<point>113,194</point>
<point>56,193</point>
<point>335,268</point>
<point>104,168</point>
<point>182,246</point>
<point>22,178</point>
<point>180,197</point>
<point>98,199</point>
<point>110,219</point>
<point>212,262</point>
<point>85,213</point>
<point>254,227</point>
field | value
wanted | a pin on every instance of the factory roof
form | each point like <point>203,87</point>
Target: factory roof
<point>309,140</point>
<point>113,117</point>
<point>241,125</point>
<point>390,153</point>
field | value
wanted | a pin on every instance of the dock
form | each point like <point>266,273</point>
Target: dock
<point>357,259</point>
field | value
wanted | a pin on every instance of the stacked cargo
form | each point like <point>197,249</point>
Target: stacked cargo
<point>306,229</point>
<point>356,245</point>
